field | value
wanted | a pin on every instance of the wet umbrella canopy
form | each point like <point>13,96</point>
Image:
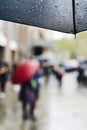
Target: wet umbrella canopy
<point>68,16</point>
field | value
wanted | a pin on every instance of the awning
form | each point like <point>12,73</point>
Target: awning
<point>3,40</point>
<point>42,43</point>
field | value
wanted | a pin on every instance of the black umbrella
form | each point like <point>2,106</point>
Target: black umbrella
<point>68,16</point>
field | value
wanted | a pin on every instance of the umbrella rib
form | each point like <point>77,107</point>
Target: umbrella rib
<point>74,18</point>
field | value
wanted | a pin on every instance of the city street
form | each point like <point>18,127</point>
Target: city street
<point>43,44</point>
<point>56,109</point>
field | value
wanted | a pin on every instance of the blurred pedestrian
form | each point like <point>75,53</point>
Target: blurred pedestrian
<point>46,71</point>
<point>14,65</point>
<point>80,77</point>
<point>58,72</point>
<point>4,72</point>
<point>24,74</point>
<point>28,96</point>
<point>37,77</point>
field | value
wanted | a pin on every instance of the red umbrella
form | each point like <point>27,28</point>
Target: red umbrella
<point>25,71</point>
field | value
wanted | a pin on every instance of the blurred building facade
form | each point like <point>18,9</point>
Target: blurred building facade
<point>17,41</point>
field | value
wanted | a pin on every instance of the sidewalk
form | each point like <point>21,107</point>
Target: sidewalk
<point>56,111</point>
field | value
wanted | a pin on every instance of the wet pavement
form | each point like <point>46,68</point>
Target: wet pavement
<point>56,109</point>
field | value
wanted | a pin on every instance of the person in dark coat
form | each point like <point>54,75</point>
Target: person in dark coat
<point>80,77</point>
<point>58,74</point>
<point>4,73</point>
<point>28,98</point>
<point>46,71</point>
